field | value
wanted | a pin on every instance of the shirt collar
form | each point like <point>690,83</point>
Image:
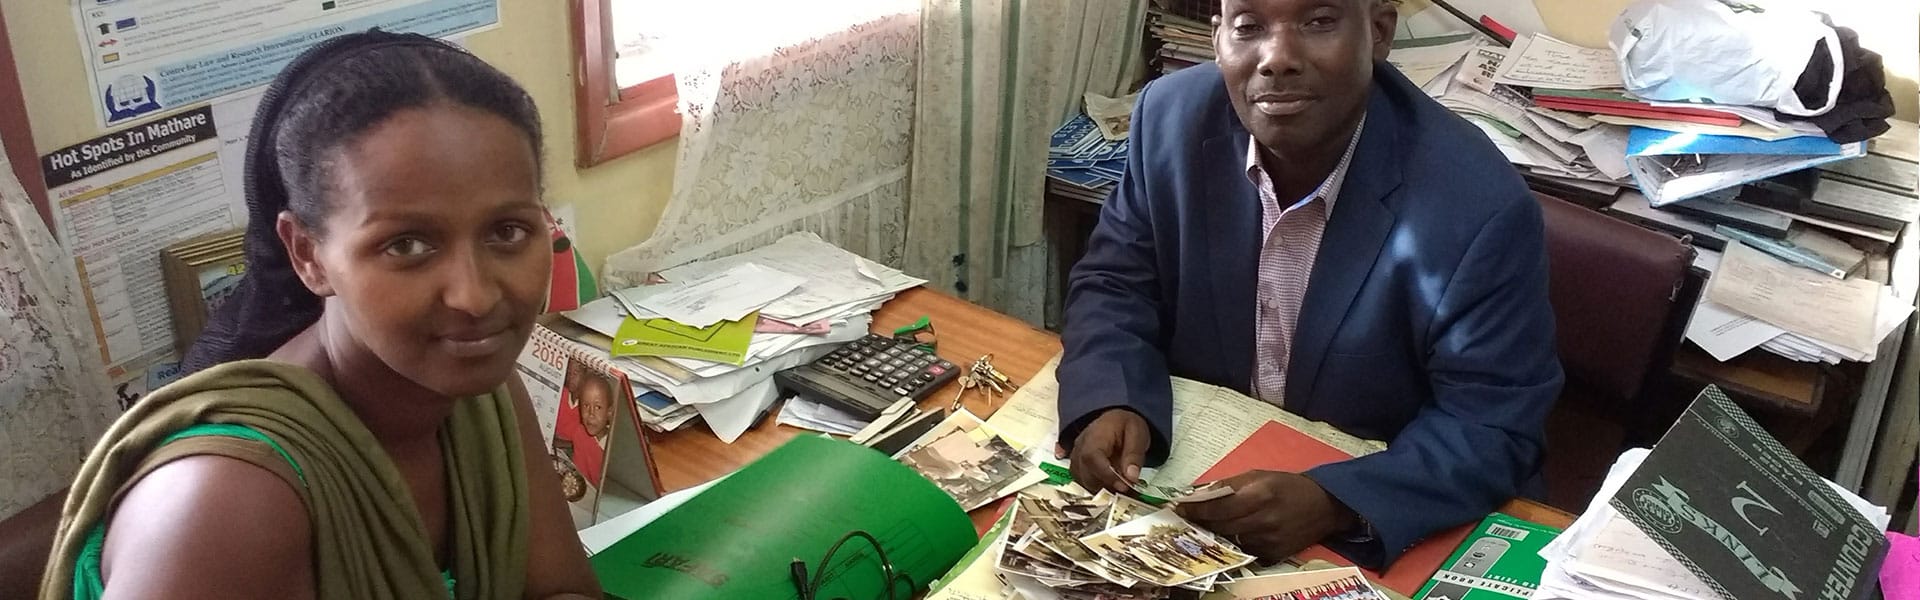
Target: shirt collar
<point>1329,189</point>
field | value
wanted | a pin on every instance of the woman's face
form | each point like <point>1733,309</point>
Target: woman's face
<point>433,252</point>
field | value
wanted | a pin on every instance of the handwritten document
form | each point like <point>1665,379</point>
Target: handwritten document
<point>1541,61</point>
<point>1208,422</point>
<point>1796,299</point>
<point>1620,552</point>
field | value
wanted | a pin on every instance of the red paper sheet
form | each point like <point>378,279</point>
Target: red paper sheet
<point>1276,447</point>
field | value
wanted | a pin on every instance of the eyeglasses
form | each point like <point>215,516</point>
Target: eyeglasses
<point>809,587</point>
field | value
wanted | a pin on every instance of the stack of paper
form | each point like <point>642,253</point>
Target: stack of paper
<point>814,416</point>
<point>790,302</point>
<point>1184,41</point>
<point>1717,509</point>
<point>1754,300</point>
<point>1082,162</point>
<point>1474,76</point>
<point>660,413</point>
<point>1603,556</point>
<point>1560,113</point>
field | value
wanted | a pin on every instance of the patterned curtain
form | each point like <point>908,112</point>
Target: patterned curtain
<point>996,78</point>
<point>54,396</point>
<point>783,134</point>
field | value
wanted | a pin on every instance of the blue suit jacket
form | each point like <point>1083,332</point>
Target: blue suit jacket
<point>1425,322</point>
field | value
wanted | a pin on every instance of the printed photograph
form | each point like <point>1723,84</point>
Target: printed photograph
<point>1060,534</point>
<point>1127,509</point>
<point>974,472</point>
<point>1165,549</point>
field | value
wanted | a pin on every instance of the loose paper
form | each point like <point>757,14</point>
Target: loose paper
<point>834,281</point>
<point>1421,62</point>
<point>1112,115</point>
<point>724,296</point>
<point>1542,61</point>
<point>1798,300</point>
<point>1208,421</point>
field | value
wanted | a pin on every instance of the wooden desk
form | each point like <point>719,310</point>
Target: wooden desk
<point>1773,382</point>
<point>966,331</point>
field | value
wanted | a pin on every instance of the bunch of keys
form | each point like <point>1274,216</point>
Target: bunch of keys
<point>983,375</point>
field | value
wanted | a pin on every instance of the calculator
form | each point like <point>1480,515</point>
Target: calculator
<point>867,375</point>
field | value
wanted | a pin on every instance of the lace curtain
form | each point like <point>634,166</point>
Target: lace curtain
<point>54,396</point>
<point>794,121</point>
<point>996,78</point>
<point>815,126</point>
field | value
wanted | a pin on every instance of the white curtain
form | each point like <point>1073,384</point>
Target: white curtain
<point>996,78</point>
<point>795,121</point>
<point>54,396</point>
<point>798,117</point>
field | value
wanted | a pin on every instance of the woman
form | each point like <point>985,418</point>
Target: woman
<point>383,448</point>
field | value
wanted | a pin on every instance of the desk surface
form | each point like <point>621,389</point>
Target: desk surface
<point>966,331</point>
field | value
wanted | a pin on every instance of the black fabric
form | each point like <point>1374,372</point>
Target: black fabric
<point>271,304</point>
<point>1864,105</point>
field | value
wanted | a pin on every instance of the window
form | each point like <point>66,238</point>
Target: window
<point>624,91</point>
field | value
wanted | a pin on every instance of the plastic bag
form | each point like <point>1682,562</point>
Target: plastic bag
<point>1721,52</point>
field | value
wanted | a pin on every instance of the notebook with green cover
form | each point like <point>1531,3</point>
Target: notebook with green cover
<point>738,539</point>
<point>1499,561</point>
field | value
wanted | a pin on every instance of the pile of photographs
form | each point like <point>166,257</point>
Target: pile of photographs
<point>1110,547</point>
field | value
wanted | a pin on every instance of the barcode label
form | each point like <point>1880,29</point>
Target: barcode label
<point>1512,533</point>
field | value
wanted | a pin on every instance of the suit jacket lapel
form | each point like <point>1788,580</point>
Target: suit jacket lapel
<point>1355,232</point>
<point>1231,208</point>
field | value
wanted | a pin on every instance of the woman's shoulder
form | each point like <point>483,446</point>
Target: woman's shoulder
<point>208,525</point>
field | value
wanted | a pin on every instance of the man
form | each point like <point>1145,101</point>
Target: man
<point>1301,223</point>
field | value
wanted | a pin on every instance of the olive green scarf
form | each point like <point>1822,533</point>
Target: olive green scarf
<point>368,539</point>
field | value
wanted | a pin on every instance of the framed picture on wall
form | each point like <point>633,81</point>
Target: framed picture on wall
<point>200,273</point>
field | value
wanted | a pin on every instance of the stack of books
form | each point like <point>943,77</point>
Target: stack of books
<point>1184,41</point>
<point>1082,163</point>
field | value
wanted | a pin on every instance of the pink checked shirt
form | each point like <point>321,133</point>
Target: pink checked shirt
<point>1290,239</point>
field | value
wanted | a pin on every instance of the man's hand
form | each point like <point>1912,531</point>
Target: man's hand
<point>1109,451</point>
<point>1271,514</point>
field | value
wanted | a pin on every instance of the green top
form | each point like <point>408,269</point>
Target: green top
<point>87,584</point>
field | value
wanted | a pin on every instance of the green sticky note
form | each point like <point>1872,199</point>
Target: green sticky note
<point>723,342</point>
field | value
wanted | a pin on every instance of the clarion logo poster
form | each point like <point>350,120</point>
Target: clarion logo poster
<point>1744,514</point>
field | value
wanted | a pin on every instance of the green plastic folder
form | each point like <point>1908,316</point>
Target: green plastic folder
<point>723,342</point>
<point>738,539</point>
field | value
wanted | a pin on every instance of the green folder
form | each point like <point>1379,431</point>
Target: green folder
<point>723,342</point>
<point>738,539</point>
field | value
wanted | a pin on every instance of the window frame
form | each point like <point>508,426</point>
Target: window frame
<point>612,121</point>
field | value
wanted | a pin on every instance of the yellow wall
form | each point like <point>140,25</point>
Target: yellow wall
<point>616,204</point>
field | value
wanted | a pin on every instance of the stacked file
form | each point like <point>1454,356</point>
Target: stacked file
<point>1718,509</point>
<point>1082,163</point>
<point>707,337</point>
<point>1603,556</point>
<point>1560,113</point>
<point>1569,152</point>
<point>1184,40</point>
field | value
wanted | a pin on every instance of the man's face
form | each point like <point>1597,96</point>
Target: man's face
<point>1298,71</point>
